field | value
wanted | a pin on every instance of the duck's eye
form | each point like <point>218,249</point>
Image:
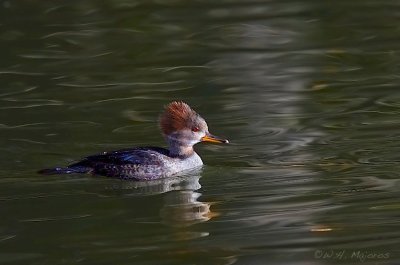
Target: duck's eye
<point>195,129</point>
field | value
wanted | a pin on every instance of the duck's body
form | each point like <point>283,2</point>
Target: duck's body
<point>140,163</point>
<point>182,128</point>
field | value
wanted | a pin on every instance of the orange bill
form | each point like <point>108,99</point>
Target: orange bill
<point>213,139</point>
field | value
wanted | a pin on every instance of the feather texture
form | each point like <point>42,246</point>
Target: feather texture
<point>177,116</point>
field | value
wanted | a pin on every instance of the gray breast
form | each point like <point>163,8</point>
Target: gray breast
<point>176,165</point>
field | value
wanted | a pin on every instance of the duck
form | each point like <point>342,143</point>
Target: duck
<point>182,128</point>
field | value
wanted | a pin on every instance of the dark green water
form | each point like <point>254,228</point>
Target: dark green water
<point>306,91</point>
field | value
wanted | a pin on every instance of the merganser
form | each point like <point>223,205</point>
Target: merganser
<point>182,128</point>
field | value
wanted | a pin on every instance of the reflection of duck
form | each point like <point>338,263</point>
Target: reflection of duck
<point>182,128</point>
<point>181,206</point>
<point>182,209</point>
<point>187,181</point>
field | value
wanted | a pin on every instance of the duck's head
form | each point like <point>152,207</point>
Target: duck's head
<point>181,125</point>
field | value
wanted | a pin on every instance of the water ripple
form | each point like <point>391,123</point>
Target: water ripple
<point>5,126</point>
<point>42,104</point>
<point>56,218</point>
<point>4,238</point>
<point>122,99</point>
<point>21,73</point>
<point>84,33</point>
<point>26,141</point>
<point>25,90</point>
<point>180,67</point>
<point>120,84</point>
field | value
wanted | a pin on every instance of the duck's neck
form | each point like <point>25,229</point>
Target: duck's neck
<point>179,149</point>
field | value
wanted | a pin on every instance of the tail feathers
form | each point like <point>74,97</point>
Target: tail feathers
<point>64,170</point>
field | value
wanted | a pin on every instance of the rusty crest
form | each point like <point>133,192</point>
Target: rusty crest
<point>176,116</point>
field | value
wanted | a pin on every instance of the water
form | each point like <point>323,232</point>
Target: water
<point>306,92</point>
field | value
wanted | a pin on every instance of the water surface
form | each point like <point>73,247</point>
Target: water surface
<point>306,92</point>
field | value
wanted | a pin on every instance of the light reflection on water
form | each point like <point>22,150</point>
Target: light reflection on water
<point>306,92</point>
